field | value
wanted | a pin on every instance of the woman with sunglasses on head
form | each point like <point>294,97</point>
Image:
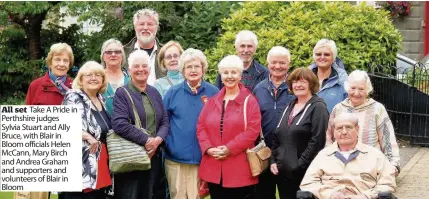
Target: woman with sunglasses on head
<point>331,76</point>
<point>113,58</point>
<point>168,59</point>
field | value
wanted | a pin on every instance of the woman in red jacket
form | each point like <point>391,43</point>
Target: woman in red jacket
<point>51,88</point>
<point>224,136</point>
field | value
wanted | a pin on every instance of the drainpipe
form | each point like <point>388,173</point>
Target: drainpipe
<point>426,25</point>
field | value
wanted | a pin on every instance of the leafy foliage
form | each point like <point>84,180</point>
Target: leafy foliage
<point>193,24</point>
<point>363,35</point>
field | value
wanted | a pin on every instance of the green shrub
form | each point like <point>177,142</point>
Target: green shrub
<point>363,35</point>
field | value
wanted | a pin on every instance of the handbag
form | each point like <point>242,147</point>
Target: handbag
<point>258,156</point>
<point>203,188</point>
<point>125,155</point>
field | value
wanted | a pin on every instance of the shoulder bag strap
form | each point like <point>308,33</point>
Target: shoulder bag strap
<point>169,81</point>
<point>245,117</point>
<point>136,115</point>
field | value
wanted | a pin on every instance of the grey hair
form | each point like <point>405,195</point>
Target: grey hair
<point>104,47</point>
<point>348,117</point>
<point>231,61</point>
<point>246,35</point>
<point>137,54</point>
<point>278,51</point>
<point>359,75</point>
<point>146,12</point>
<point>326,43</point>
<point>190,54</point>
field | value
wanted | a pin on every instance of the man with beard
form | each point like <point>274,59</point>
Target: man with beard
<point>146,23</point>
<point>246,43</point>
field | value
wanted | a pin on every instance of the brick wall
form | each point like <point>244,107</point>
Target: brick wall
<point>412,30</point>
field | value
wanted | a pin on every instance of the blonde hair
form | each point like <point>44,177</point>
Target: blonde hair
<point>164,48</point>
<point>190,54</point>
<point>106,44</point>
<point>59,48</point>
<point>90,66</point>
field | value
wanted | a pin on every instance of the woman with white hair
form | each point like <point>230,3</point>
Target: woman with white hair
<point>376,129</point>
<point>331,76</point>
<point>145,99</point>
<point>113,59</point>
<point>88,85</point>
<point>229,124</point>
<point>183,103</point>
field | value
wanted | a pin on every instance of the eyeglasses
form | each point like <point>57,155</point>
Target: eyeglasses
<point>169,57</point>
<point>110,52</point>
<point>92,75</point>
<point>324,54</point>
<point>347,127</point>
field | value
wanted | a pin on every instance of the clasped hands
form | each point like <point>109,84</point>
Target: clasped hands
<point>219,153</point>
<point>152,144</point>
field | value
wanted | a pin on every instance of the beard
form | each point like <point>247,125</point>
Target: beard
<point>146,39</point>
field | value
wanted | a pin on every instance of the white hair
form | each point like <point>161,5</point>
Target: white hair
<point>106,44</point>
<point>146,12</point>
<point>346,116</point>
<point>137,54</point>
<point>359,75</point>
<point>278,51</point>
<point>231,61</point>
<point>326,43</point>
<point>245,35</point>
<point>190,54</point>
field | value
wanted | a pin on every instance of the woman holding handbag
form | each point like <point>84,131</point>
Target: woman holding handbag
<point>300,134</point>
<point>147,102</point>
<point>224,135</point>
<point>88,85</point>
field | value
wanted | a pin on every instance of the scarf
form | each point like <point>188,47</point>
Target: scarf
<point>195,88</point>
<point>59,82</point>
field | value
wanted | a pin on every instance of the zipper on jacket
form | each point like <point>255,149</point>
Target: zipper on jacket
<point>274,95</point>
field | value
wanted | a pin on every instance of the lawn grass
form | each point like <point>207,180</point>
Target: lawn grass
<point>9,195</point>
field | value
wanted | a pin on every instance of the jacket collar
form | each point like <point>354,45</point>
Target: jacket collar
<point>282,86</point>
<point>334,148</point>
<point>188,89</point>
<point>244,92</point>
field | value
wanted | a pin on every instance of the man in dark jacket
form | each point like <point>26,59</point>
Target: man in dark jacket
<point>273,96</point>
<point>146,23</point>
<point>246,43</point>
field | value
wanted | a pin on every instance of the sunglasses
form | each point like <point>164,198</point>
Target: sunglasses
<point>324,54</point>
<point>110,52</point>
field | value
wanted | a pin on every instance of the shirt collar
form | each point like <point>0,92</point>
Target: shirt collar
<point>334,148</point>
<point>155,47</point>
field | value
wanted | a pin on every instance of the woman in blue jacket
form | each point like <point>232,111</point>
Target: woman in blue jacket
<point>331,76</point>
<point>183,103</point>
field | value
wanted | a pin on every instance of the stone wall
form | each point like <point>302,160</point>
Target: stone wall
<point>412,29</point>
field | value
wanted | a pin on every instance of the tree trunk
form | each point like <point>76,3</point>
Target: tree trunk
<point>32,30</point>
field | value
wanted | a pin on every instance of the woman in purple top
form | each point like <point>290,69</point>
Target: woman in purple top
<point>154,121</point>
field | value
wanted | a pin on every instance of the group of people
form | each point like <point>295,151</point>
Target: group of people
<point>326,134</point>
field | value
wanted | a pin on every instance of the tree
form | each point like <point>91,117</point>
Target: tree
<point>29,16</point>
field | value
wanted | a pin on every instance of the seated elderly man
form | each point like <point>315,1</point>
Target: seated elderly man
<point>349,169</point>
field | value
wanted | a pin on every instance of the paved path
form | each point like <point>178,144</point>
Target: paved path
<point>413,181</point>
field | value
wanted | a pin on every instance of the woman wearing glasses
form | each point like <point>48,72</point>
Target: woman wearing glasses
<point>113,58</point>
<point>88,85</point>
<point>331,77</point>
<point>168,59</point>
